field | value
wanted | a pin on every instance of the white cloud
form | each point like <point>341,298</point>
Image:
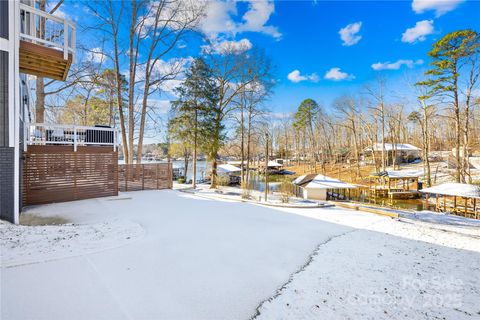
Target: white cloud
<point>257,16</point>
<point>349,34</point>
<point>336,74</point>
<point>419,32</point>
<point>160,106</point>
<point>225,46</point>
<point>439,6</point>
<point>295,76</point>
<point>96,55</point>
<point>395,65</point>
<point>219,18</point>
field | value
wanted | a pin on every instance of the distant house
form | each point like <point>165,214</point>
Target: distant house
<point>319,187</point>
<point>401,152</point>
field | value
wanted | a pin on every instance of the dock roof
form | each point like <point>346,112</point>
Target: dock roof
<point>320,181</point>
<point>464,190</point>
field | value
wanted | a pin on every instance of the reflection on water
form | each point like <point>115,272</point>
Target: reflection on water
<point>409,204</point>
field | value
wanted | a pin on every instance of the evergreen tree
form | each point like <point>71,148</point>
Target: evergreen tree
<point>449,56</point>
<point>190,123</point>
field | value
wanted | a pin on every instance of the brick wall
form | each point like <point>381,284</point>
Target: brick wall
<point>6,183</point>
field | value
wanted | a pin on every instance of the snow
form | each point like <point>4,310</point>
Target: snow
<point>274,164</point>
<point>390,147</point>
<point>256,197</point>
<point>324,182</point>
<point>404,173</point>
<point>455,189</point>
<point>394,271</point>
<point>198,258</point>
<point>31,244</point>
<point>299,179</point>
<point>228,168</point>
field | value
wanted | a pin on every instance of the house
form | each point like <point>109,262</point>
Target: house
<point>320,187</point>
<point>401,152</point>
<point>41,162</point>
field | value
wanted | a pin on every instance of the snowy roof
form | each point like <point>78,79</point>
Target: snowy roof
<point>299,179</point>
<point>274,164</point>
<point>390,147</point>
<point>399,174</point>
<point>455,189</point>
<point>323,182</point>
<point>227,168</point>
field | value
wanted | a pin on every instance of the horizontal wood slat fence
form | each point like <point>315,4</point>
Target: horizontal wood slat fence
<point>58,174</point>
<point>151,176</point>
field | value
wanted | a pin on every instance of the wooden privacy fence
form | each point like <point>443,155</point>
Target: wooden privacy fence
<point>151,176</point>
<point>58,173</point>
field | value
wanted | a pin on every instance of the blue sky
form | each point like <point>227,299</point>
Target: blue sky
<point>312,59</point>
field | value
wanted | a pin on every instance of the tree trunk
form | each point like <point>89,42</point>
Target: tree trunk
<point>40,101</point>
<point>118,79</point>
<point>426,145</point>
<point>195,134</point>
<point>458,172</point>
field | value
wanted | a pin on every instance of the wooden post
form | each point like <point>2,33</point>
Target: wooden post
<point>436,202</point>
<point>455,204</point>
<point>143,177</point>
<point>475,207</point>
<point>465,209</point>
<point>388,184</point>
<point>156,173</point>
<point>426,201</point>
<point>444,203</point>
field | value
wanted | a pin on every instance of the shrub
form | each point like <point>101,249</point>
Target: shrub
<point>246,190</point>
<point>223,180</point>
<point>286,190</point>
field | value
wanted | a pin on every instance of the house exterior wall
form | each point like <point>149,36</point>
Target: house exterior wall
<point>9,113</point>
<point>7,198</point>
<point>315,194</point>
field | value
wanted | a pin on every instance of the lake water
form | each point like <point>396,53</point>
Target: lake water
<point>204,167</point>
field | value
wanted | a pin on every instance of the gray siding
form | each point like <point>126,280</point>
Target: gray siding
<point>7,183</point>
<point>4,19</point>
<point>4,126</point>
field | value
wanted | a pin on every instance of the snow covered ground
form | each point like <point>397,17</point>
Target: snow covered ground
<point>173,255</point>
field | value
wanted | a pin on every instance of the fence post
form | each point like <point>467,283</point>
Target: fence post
<point>170,175</point>
<point>156,173</point>
<point>143,177</point>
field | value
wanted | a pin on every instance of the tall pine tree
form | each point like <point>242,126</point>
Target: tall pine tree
<point>192,111</point>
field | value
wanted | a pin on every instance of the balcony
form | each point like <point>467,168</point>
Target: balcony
<point>47,43</point>
<point>40,134</point>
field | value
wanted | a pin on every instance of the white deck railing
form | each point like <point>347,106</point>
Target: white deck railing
<point>52,31</point>
<point>55,134</point>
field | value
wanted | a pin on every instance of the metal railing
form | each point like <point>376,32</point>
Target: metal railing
<point>55,134</point>
<point>52,31</point>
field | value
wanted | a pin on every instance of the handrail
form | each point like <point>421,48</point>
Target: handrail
<point>56,134</point>
<point>34,28</point>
